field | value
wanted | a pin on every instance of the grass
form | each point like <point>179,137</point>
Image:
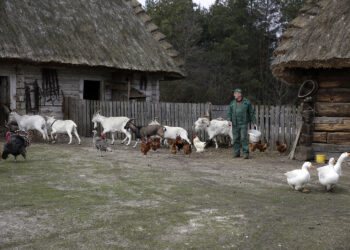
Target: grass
<point>67,197</point>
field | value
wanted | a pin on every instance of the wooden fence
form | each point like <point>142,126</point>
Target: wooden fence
<point>275,122</point>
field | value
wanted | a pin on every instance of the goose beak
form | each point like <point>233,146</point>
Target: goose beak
<point>348,154</point>
<point>312,166</point>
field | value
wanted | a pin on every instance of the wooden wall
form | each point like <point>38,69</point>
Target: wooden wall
<point>71,80</point>
<point>332,121</point>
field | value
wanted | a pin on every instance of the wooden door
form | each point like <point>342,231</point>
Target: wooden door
<point>4,98</point>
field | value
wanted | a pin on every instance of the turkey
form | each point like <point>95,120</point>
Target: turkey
<point>16,145</point>
<point>100,143</point>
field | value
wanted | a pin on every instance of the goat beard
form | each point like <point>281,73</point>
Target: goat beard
<point>95,124</point>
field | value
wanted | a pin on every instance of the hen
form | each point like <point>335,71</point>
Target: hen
<point>155,144</point>
<point>173,148</point>
<point>145,146</point>
<point>187,148</point>
<point>281,147</point>
<point>198,144</point>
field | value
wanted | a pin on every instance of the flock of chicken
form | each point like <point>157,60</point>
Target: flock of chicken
<point>328,175</point>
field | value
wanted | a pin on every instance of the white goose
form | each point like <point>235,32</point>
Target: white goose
<point>331,164</point>
<point>299,177</point>
<point>329,176</point>
<point>337,167</point>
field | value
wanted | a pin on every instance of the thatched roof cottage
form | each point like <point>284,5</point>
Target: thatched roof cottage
<point>98,50</point>
<point>316,46</point>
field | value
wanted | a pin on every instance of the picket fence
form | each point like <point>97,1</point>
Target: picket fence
<point>275,122</point>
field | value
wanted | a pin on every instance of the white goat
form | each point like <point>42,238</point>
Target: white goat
<point>62,127</point>
<point>30,122</point>
<point>172,132</point>
<point>112,124</point>
<point>214,128</point>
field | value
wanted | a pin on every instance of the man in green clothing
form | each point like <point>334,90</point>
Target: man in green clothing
<point>240,113</point>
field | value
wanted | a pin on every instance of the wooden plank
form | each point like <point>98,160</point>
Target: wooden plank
<point>334,83</point>
<point>320,137</point>
<point>342,126</point>
<point>333,95</point>
<point>288,123</point>
<point>261,121</point>
<point>339,138</point>
<point>330,120</point>
<point>267,122</point>
<point>282,123</point>
<point>277,123</point>
<point>272,124</point>
<point>332,109</point>
<point>323,147</point>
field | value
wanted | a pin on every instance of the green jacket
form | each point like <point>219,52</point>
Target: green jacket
<point>248,114</point>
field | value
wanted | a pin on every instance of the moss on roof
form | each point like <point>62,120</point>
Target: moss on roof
<point>108,33</point>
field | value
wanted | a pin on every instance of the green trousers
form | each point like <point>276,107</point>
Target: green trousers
<point>240,138</point>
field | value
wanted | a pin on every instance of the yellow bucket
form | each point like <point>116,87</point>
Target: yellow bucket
<point>320,158</point>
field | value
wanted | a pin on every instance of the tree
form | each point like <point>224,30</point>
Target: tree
<point>228,46</point>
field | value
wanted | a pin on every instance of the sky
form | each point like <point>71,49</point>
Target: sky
<point>203,3</point>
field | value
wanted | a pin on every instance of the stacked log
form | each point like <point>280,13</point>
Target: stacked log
<point>332,109</point>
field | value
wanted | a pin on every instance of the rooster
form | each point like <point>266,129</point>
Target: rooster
<point>155,144</point>
<point>281,147</point>
<point>100,143</point>
<point>145,146</point>
<point>187,148</point>
<point>198,144</point>
<point>179,143</point>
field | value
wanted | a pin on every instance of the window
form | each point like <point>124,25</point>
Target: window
<point>91,90</point>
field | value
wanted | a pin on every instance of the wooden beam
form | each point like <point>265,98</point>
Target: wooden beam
<point>332,124</point>
<point>320,137</point>
<point>332,109</point>
<point>333,95</point>
<point>117,87</point>
<point>339,138</point>
<point>330,120</point>
<point>129,89</point>
<point>335,83</point>
<point>324,147</point>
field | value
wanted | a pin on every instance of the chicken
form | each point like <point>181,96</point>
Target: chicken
<point>155,144</point>
<point>281,147</point>
<point>179,143</point>
<point>145,146</point>
<point>100,143</point>
<point>173,149</point>
<point>198,144</point>
<point>187,148</point>
<point>262,147</point>
<point>254,146</point>
<point>15,146</point>
<point>171,142</point>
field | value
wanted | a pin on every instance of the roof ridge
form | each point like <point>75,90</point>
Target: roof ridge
<point>155,32</point>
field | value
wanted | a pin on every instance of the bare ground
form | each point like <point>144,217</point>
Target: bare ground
<point>65,196</point>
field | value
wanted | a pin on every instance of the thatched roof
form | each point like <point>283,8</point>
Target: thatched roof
<point>318,38</point>
<point>108,33</point>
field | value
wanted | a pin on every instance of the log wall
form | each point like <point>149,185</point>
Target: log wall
<point>332,121</point>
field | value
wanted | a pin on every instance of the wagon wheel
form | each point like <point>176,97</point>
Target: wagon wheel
<point>308,88</point>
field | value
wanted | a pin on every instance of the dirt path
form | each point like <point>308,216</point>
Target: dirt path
<point>68,197</point>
